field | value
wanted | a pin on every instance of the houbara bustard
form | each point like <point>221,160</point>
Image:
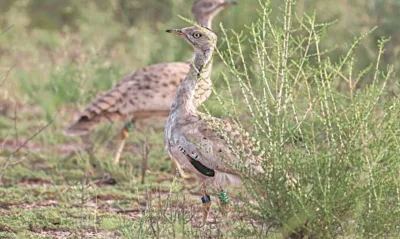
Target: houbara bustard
<point>215,150</point>
<point>147,92</point>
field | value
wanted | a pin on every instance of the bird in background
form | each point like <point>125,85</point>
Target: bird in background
<point>147,92</point>
<point>213,149</point>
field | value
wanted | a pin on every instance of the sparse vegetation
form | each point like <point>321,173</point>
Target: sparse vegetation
<point>322,97</point>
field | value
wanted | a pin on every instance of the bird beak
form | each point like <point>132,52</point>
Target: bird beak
<point>175,31</point>
<point>229,3</point>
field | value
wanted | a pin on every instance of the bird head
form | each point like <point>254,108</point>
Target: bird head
<point>201,38</point>
<point>209,8</point>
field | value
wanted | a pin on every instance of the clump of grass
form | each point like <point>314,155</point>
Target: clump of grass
<point>331,156</point>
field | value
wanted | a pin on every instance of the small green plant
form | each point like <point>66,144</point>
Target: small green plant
<point>331,157</point>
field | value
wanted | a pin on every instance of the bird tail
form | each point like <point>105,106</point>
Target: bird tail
<point>222,178</point>
<point>82,126</point>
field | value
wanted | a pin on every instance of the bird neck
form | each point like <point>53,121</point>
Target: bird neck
<point>205,21</point>
<point>200,70</point>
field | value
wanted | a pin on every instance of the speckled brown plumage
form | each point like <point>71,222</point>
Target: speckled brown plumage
<point>140,95</point>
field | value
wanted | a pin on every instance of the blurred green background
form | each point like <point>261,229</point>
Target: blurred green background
<point>67,46</point>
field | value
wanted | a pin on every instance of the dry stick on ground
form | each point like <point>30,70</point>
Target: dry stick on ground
<point>7,163</point>
<point>16,125</point>
<point>19,161</point>
<point>12,67</point>
<point>145,156</point>
<point>83,201</point>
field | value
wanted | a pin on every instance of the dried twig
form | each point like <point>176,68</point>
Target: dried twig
<point>16,125</point>
<point>10,157</point>
<point>20,160</point>
<point>6,76</point>
<point>145,157</point>
<point>123,211</point>
<point>6,30</point>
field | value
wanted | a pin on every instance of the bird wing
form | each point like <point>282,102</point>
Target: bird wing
<point>148,89</point>
<point>219,145</point>
<point>146,93</point>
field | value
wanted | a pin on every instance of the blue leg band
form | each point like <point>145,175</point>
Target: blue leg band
<point>206,199</point>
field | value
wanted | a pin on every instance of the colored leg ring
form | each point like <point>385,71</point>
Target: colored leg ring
<point>206,199</point>
<point>223,198</point>
<point>129,126</point>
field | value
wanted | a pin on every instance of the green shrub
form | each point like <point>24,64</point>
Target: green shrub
<point>331,154</point>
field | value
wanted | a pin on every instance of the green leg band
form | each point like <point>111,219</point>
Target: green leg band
<point>223,198</point>
<point>130,126</point>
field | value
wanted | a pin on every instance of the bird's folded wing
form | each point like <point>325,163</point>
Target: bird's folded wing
<point>216,144</point>
<point>205,152</point>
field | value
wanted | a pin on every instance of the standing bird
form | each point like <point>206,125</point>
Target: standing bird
<point>211,148</point>
<point>147,92</point>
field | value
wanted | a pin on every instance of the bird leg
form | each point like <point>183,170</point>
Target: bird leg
<point>224,201</point>
<point>124,134</point>
<point>206,200</point>
<point>176,165</point>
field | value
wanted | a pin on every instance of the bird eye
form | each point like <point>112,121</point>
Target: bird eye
<point>196,35</point>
